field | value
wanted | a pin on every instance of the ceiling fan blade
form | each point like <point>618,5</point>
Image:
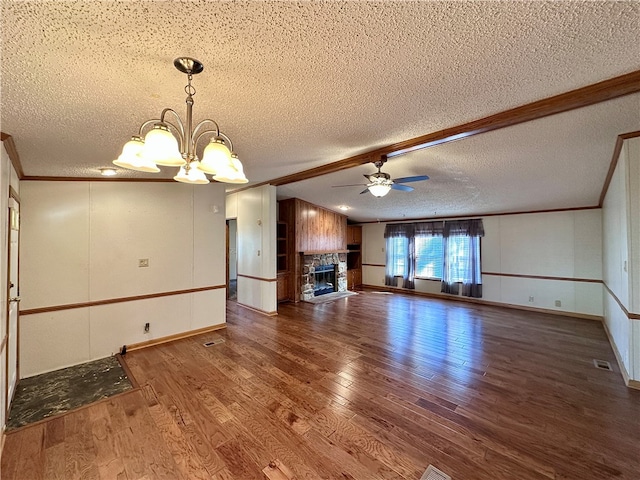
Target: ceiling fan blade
<point>352,185</point>
<point>404,188</point>
<point>368,177</point>
<point>415,178</point>
<point>364,191</point>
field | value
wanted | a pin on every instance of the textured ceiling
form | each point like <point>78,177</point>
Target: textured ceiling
<point>301,84</point>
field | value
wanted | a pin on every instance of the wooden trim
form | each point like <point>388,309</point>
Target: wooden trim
<point>373,265</point>
<point>501,214</point>
<point>614,162</point>
<point>581,97</point>
<point>257,310</point>
<point>109,301</point>
<point>36,178</point>
<point>479,301</point>
<point>332,167</point>
<point>127,370</point>
<point>630,316</point>
<point>261,279</point>
<point>173,338</point>
<point>543,277</point>
<point>10,147</point>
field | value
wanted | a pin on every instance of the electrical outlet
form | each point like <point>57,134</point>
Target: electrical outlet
<point>143,262</point>
<point>146,327</point>
<point>558,303</point>
<point>531,299</point>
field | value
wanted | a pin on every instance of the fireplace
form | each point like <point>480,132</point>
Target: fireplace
<point>324,280</point>
<point>322,273</point>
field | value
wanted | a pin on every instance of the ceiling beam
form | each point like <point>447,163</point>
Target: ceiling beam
<point>582,97</point>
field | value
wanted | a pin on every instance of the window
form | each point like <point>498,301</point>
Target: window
<point>459,252</point>
<point>447,251</point>
<point>398,245</point>
<point>429,257</point>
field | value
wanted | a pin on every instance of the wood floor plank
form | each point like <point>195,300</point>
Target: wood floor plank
<point>376,387</point>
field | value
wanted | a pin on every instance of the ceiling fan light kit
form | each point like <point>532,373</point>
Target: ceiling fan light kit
<point>380,183</point>
<point>174,144</point>
<point>379,189</point>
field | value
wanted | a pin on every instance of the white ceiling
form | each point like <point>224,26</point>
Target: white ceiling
<point>297,85</point>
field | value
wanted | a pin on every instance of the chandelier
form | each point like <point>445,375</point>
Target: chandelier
<point>174,144</point>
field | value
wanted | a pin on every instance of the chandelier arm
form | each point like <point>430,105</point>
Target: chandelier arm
<point>179,127</point>
<point>196,131</point>
<point>146,124</point>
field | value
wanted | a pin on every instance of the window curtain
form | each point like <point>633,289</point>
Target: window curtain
<point>429,229</point>
<point>461,248</point>
<point>400,255</point>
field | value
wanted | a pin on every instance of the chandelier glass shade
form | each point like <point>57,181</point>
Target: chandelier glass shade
<point>175,144</point>
<point>216,157</point>
<point>133,159</point>
<point>194,176</point>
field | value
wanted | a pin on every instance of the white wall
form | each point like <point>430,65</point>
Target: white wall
<point>555,244</point>
<point>81,242</point>
<point>256,214</point>
<point>621,257</point>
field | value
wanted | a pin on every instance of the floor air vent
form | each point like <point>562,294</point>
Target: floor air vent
<point>432,473</point>
<point>215,341</point>
<point>602,364</point>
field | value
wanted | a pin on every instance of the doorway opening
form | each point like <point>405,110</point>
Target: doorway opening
<point>232,259</point>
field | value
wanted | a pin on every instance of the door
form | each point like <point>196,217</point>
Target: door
<point>13,297</point>
<point>232,259</point>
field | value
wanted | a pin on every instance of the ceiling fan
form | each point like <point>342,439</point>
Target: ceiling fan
<point>381,183</point>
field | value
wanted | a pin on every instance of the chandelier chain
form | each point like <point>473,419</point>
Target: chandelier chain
<point>189,89</point>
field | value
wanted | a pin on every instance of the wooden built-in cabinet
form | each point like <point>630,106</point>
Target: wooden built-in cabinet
<point>354,235</point>
<point>310,228</point>
<point>282,287</point>
<point>282,262</point>
<point>282,239</point>
<point>354,256</point>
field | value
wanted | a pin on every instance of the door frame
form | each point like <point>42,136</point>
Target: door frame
<point>12,195</point>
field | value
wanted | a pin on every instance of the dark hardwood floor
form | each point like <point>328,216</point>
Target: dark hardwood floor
<point>371,386</point>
